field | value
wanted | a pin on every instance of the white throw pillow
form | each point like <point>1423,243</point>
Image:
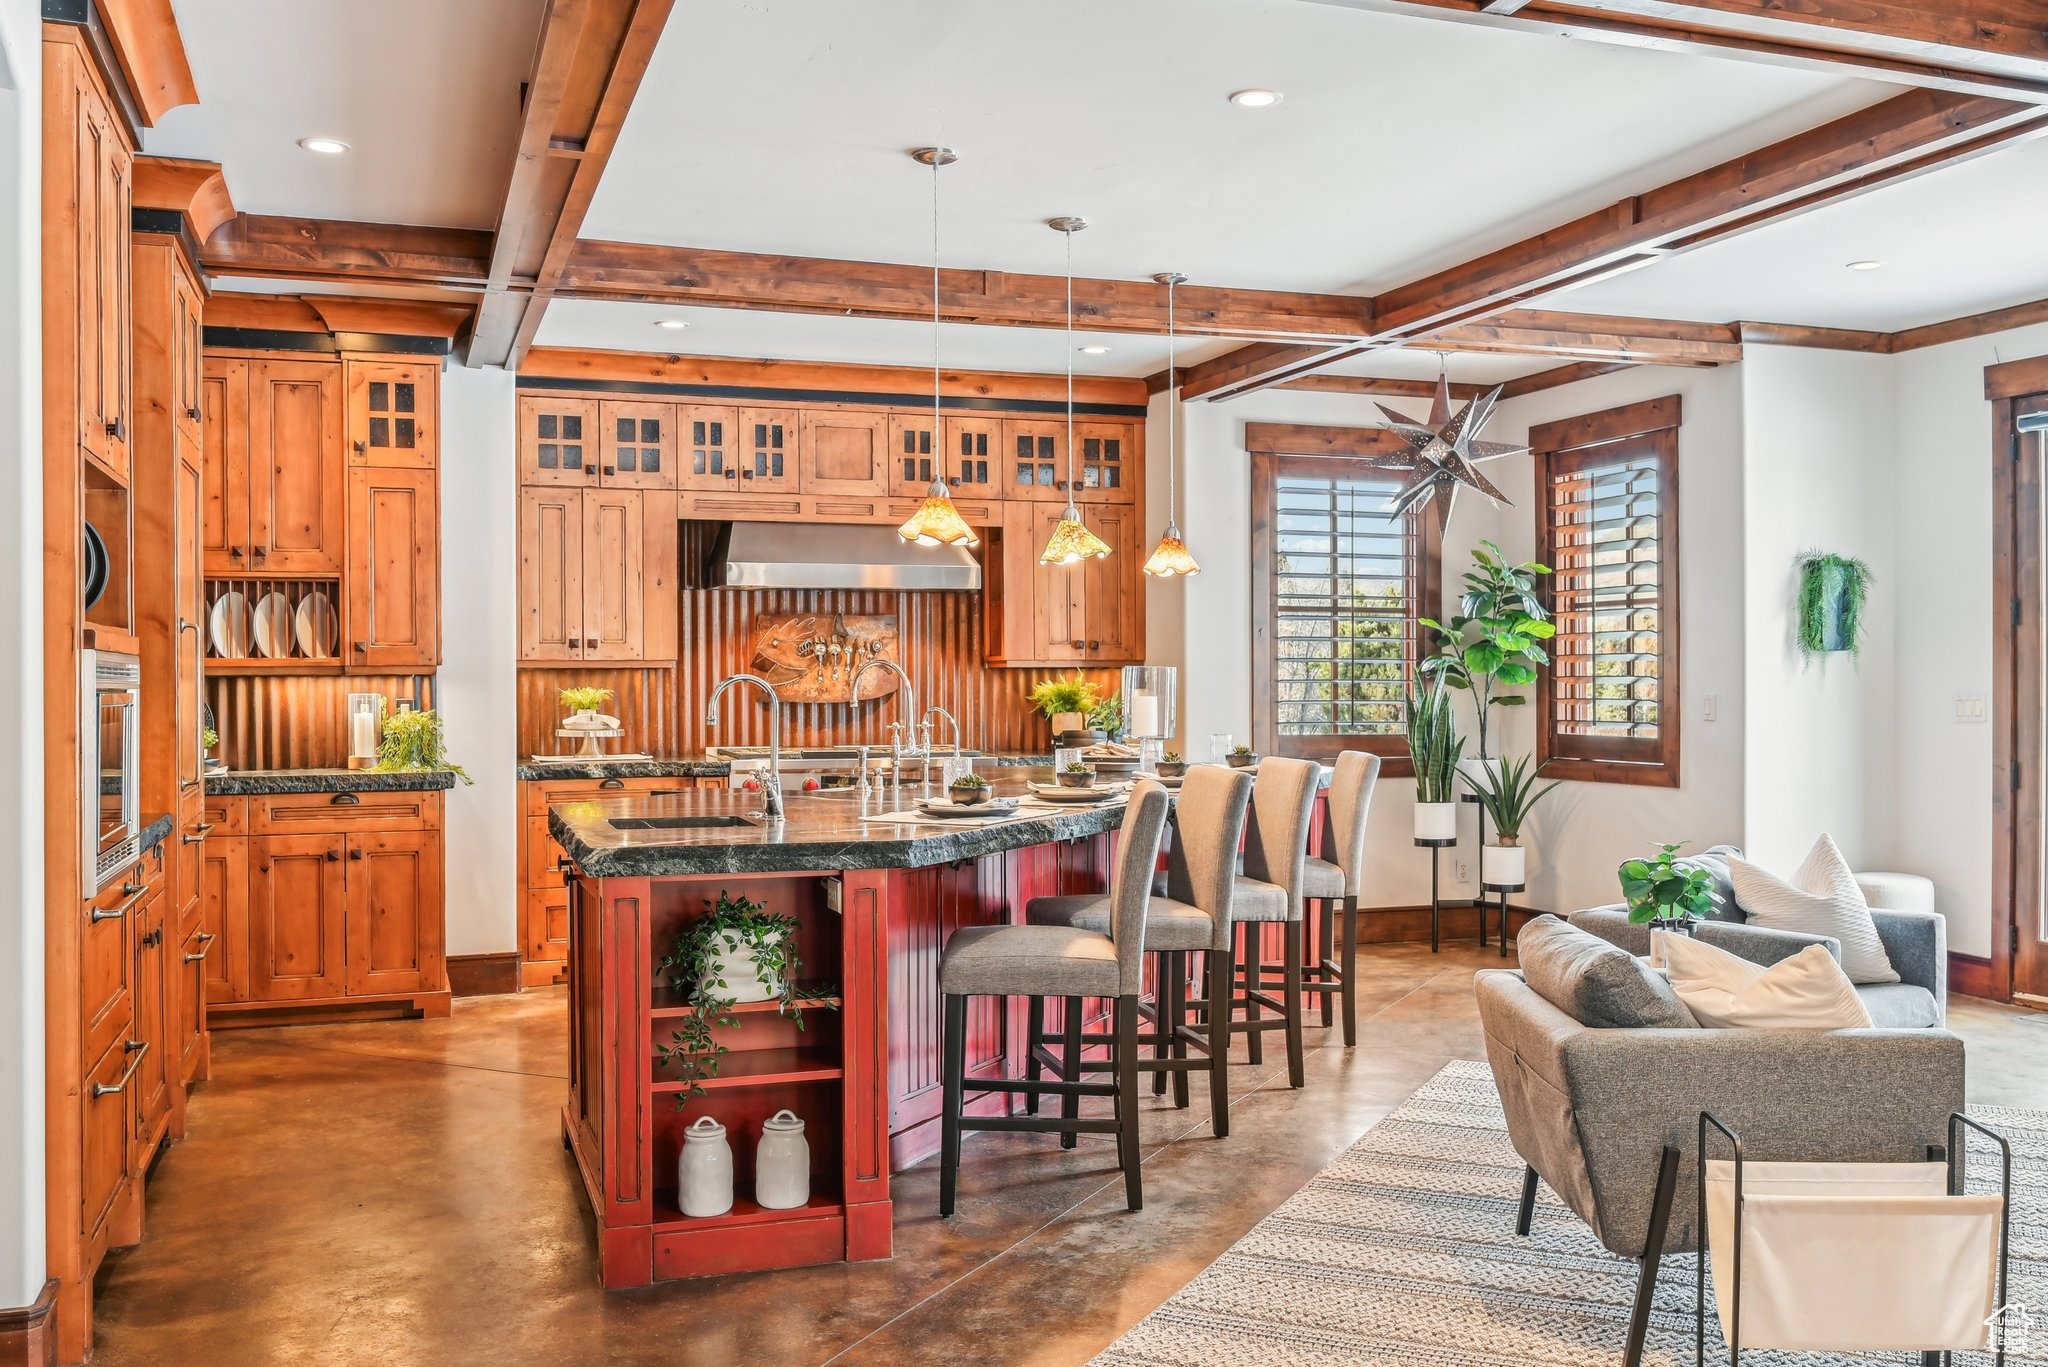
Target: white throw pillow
<point>1808,991</point>
<point>1821,898</point>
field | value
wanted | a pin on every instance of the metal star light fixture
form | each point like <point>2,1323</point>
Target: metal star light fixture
<point>1446,452</point>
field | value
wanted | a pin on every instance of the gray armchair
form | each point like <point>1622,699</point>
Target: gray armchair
<point>1609,1117</point>
<point>1915,941</point>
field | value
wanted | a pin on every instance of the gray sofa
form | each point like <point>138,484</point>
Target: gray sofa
<point>1609,1117</point>
<point>1915,941</point>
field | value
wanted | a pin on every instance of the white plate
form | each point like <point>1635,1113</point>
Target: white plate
<point>1002,806</point>
<point>273,626</point>
<point>1049,792</point>
<point>229,626</point>
<point>317,626</point>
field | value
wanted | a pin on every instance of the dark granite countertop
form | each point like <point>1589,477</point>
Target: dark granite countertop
<point>154,829</point>
<point>639,768</point>
<point>259,782</point>
<point>818,834</point>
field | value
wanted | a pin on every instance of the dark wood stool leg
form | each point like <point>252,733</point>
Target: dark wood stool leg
<point>954,1101</point>
<point>1350,972</point>
<point>1162,996</point>
<point>1297,1075</point>
<point>1527,1211</point>
<point>1070,1105</point>
<point>1254,969</point>
<point>1126,1013</point>
<point>1325,948</point>
<point>1219,1042</point>
<point>1034,1034</point>
<point>1178,1006</point>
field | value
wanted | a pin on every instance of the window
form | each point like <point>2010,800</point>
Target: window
<point>1337,588</point>
<point>1607,525</point>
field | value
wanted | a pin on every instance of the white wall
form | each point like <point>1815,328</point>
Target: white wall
<point>1940,592</point>
<point>476,688</point>
<point>1818,451</point>
<point>21,656</point>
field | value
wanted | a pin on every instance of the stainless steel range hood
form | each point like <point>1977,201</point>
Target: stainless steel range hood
<point>823,555</point>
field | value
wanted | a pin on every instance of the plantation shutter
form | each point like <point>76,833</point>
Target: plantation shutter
<point>1607,527</point>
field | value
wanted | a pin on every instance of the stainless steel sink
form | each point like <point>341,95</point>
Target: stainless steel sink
<point>709,821</point>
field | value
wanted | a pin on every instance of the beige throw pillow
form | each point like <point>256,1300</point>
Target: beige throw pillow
<point>1820,898</point>
<point>1808,991</point>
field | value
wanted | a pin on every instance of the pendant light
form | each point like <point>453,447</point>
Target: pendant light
<point>937,522</point>
<point>1071,541</point>
<point>1171,556</point>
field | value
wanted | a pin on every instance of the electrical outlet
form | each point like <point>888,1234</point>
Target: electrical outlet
<point>1970,707</point>
<point>1710,707</point>
<point>1464,872</point>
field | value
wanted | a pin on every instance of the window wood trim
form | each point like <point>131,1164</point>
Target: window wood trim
<point>1267,466</point>
<point>1648,428</point>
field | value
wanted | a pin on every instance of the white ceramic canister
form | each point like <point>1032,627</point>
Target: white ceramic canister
<point>782,1163</point>
<point>704,1172</point>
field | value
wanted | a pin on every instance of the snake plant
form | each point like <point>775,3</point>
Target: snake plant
<point>1434,743</point>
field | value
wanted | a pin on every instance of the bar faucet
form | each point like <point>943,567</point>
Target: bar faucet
<point>906,706</point>
<point>772,800</point>
<point>936,711</point>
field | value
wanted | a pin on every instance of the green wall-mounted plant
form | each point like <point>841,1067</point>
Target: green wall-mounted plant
<point>1833,590</point>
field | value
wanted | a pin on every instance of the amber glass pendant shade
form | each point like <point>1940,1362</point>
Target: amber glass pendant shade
<point>937,522</point>
<point>1171,556</point>
<point>1072,542</point>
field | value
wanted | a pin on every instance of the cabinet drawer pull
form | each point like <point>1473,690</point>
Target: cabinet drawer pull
<point>234,552</point>
<point>193,414</point>
<point>141,1051</point>
<point>345,800</point>
<point>1076,645</point>
<point>362,448</point>
<point>609,472</point>
<point>589,643</point>
<point>664,792</point>
<point>1095,645</point>
<point>206,939</point>
<point>184,625</point>
<point>116,430</point>
<point>198,833</point>
<point>613,783</point>
<point>354,853</point>
<point>116,913</point>
<point>332,856</point>
<point>260,552</point>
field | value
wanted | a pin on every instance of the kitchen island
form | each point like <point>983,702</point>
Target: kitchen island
<point>875,903</point>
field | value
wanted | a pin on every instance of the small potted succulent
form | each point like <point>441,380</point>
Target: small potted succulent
<point>1171,765</point>
<point>1665,894</point>
<point>1243,757</point>
<point>969,790</point>
<point>1076,775</point>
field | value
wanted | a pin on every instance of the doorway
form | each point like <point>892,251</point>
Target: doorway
<point>2019,931</point>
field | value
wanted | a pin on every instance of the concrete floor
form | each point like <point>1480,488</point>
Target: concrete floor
<point>396,1193</point>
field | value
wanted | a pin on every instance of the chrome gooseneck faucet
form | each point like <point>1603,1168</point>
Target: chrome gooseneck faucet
<point>771,802</point>
<point>906,706</point>
<point>937,711</point>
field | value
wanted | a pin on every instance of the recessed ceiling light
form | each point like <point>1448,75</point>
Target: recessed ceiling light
<point>1255,97</point>
<point>1865,265</point>
<point>326,147</point>
<point>675,323</point>
<point>1095,351</point>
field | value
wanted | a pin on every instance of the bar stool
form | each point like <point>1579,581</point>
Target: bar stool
<point>1270,890</point>
<point>1060,961</point>
<point>1192,918</point>
<point>1333,885</point>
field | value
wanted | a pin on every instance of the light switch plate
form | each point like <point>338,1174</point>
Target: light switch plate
<point>1970,707</point>
<point>1710,707</point>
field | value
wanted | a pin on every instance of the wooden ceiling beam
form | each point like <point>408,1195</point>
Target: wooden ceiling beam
<point>872,289</point>
<point>1990,48</point>
<point>151,52</point>
<point>587,67</point>
<point>1380,386</point>
<point>287,248</point>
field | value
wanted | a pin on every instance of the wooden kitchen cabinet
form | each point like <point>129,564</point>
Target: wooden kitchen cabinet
<point>974,457</point>
<point>156,1070</point>
<point>916,454</point>
<point>1056,615</point>
<point>298,521</point>
<point>103,181</point>
<point>188,357</point>
<point>298,917</point>
<point>708,436</point>
<point>1113,590</point>
<point>394,932</point>
<point>393,422</point>
<point>1106,462</point>
<point>637,447</point>
<point>224,450</point>
<point>558,440</point>
<point>224,916</point>
<point>844,452</point>
<point>768,449</point>
<point>543,897</point>
<point>1035,459</point>
<point>597,575</point>
<point>393,580</point>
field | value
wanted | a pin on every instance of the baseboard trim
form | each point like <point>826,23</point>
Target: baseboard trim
<point>1407,925</point>
<point>483,975</point>
<point>1970,976</point>
<point>28,1333</point>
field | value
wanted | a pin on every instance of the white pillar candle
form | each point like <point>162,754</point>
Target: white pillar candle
<point>363,737</point>
<point>1145,714</point>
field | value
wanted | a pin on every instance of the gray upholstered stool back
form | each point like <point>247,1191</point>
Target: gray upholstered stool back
<point>1130,894</point>
<point>1202,870</point>
<point>1283,799</point>
<point>1350,798</point>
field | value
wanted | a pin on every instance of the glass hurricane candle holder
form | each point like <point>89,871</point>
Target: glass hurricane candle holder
<point>1149,692</point>
<point>365,728</point>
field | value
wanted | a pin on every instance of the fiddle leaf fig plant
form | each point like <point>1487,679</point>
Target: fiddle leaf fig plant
<point>1494,642</point>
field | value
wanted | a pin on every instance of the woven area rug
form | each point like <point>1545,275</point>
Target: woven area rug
<point>1404,1251</point>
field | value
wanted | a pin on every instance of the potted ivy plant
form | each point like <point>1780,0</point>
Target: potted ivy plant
<point>1666,895</point>
<point>737,951</point>
<point>1434,745</point>
<point>1493,643</point>
<point>1065,702</point>
<point>1507,794</point>
<point>969,789</point>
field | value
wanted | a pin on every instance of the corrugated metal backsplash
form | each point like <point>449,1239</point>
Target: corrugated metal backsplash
<point>294,722</point>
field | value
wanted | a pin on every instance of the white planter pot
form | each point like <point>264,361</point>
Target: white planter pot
<point>1483,771</point>
<point>744,980</point>
<point>1436,821</point>
<point>1503,865</point>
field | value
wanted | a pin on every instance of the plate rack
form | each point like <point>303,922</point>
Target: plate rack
<point>291,655</point>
